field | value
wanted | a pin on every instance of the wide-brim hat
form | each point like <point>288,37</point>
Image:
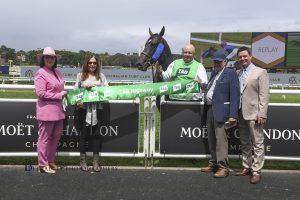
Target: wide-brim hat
<point>48,51</point>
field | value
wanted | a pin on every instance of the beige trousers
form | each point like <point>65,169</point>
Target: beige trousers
<point>252,140</point>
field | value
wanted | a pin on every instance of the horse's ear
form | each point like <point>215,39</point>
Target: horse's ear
<point>150,32</point>
<point>162,32</point>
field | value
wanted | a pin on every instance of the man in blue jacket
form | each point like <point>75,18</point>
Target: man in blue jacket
<point>221,104</point>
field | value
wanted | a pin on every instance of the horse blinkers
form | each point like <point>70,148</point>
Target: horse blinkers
<point>150,55</point>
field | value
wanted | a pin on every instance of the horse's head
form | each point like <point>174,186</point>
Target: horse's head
<point>156,49</point>
<point>209,52</point>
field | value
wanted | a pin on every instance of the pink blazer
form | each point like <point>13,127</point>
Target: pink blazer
<point>48,88</point>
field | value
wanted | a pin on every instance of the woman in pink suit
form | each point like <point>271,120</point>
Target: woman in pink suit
<point>49,87</point>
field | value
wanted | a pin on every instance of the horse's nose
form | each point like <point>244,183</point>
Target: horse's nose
<point>144,68</point>
<point>140,66</point>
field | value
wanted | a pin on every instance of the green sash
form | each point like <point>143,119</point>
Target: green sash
<point>128,92</point>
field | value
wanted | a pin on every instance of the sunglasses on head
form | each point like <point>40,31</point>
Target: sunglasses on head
<point>94,63</point>
<point>49,57</point>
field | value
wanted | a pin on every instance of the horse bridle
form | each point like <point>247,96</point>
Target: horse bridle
<point>148,61</point>
<point>149,57</point>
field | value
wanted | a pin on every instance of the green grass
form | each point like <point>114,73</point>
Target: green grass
<point>208,36</point>
<point>235,37</point>
<point>282,98</point>
<point>17,94</point>
<point>167,162</point>
<point>293,50</point>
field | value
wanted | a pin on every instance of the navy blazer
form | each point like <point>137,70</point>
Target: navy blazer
<point>226,96</point>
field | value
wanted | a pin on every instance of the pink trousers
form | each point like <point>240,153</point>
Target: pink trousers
<point>49,135</point>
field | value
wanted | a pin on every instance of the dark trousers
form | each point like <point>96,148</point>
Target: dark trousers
<point>88,133</point>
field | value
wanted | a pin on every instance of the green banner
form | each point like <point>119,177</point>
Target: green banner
<point>128,92</point>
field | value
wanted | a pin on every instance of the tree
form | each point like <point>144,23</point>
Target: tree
<point>69,58</point>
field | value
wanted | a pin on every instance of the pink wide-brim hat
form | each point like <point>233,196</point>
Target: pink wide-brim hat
<point>48,51</point>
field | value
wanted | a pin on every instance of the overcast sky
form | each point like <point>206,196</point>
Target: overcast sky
<point>122,25</point>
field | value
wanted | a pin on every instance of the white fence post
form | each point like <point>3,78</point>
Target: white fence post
<point>152,128</point>
<point>146,128</point>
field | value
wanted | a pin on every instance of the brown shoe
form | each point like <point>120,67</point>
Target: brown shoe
<point>221,173</point>
<point>243,172</point>
<point>254,179</point>
<point>207,169</point>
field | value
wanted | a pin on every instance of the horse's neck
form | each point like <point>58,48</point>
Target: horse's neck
<point>165,63</point>
<point>166,59</point>
<point>162,64</point>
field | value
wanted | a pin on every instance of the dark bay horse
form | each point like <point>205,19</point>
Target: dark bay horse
<point>156,52</point>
